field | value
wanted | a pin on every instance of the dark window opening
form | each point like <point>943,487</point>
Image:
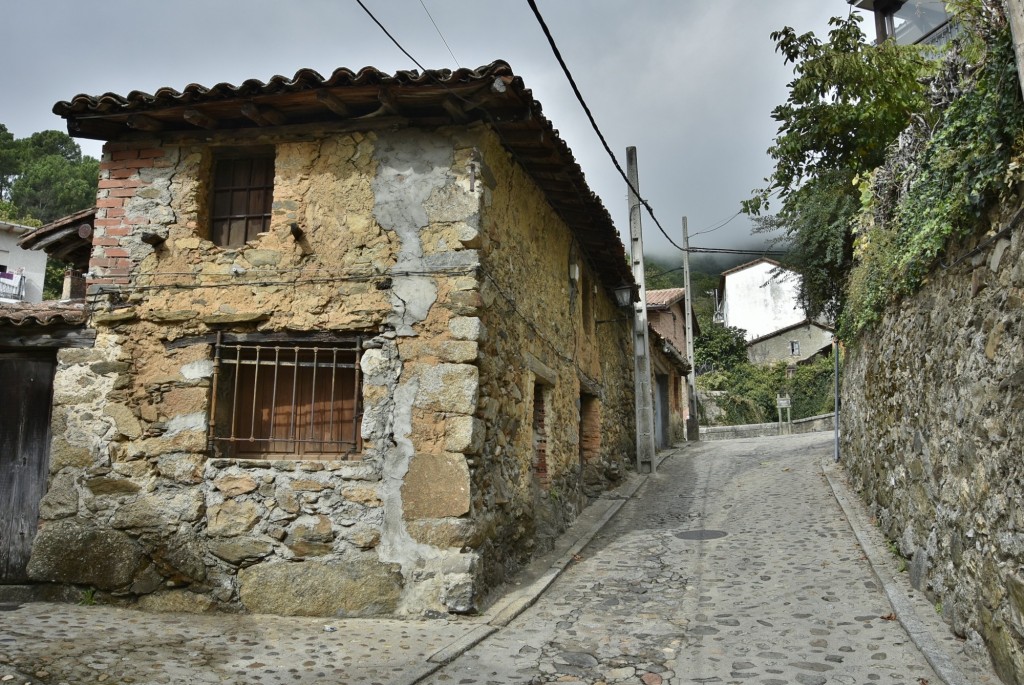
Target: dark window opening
<point>794,348</point>
<point>287,400</point>
<point>243,192</point>
<point>540,435</point>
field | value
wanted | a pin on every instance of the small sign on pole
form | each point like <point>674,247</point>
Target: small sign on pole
<point>784,402</point>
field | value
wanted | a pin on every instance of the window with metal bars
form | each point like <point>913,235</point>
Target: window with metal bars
<point>286,400</point>
<point>241,199</point>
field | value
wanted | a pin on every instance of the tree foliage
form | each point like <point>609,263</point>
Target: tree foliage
<point>45,176</point>
<point>750,391</point>
<point>848,102</point>
<point>719,347</point>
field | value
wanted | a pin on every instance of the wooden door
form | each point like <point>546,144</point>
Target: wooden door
<point>26,379</point>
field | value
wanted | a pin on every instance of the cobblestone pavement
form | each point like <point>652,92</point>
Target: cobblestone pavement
<point>61,643</point>
<point>733,564</point>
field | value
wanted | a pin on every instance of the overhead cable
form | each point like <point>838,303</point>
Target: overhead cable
<point>593,122</point>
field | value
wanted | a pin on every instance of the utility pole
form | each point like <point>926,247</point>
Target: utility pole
<point>1015,17</point>
<point>692,428</point>
<point>645,457</point>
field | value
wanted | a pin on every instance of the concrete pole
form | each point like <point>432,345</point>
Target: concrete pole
<point>835,355</point>
<point>1015,16</point>
<point>645,452</point>
<point>692,428</point>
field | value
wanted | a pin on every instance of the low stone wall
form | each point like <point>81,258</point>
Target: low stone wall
<point>932,436</point>
<point>812,424</point>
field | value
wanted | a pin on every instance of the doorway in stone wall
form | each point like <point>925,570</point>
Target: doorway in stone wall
<point>27,378</point>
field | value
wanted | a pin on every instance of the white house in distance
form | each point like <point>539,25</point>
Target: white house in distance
<point>759,302</point>
<point>762,298</point>
<point>21,271</point>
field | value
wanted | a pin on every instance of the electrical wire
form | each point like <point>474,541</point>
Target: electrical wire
<point>593,122</point>
<point>388,34</point>
<point>441,35</point>
<point>721,224</point>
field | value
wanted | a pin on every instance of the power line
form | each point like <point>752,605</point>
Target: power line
<point>718,226</point>
<point>388,34</point>
<point>593,122</point>
<point>436,28</point>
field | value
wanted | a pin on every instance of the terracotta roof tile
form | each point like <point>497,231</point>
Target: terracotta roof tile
<point>664,298</point>
<point>42,313</point>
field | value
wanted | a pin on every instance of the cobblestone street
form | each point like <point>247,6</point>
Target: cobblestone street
<point>733,564</point>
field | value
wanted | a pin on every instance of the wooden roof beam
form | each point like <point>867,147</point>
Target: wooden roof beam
<point>199,120</point>
<point>141,122</point>
<point>333,103</point>
<point>263,115</point>
<point>455,109</point>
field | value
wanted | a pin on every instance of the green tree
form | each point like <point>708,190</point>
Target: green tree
<point>719,347</point>
<point>51,186</point>
<point>848,102</point>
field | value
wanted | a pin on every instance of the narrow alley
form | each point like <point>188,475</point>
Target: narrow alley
<point>733,564</point>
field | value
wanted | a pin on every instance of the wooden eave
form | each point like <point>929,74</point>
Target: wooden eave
<point>308,105</point>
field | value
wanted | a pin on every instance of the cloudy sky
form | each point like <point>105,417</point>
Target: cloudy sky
<point>690,83</point>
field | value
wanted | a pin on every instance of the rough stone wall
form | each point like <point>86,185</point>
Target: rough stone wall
<point>136,507</point>
<point>536,332</point>
<point>933,432</point>
<point>441,503</point>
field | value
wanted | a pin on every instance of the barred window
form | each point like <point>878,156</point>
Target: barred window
<point>242,195</point>
<point>287,400</point>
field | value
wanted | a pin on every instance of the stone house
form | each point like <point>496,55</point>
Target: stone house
<point>346,357</point>
<point>792,344</point>
<point>670,368</point>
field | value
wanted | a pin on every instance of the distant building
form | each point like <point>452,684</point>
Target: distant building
<point>792,344</point>
<point>909,22</point>
<point>21,271</point>
<point>669,366</point>
<point>759,300</point>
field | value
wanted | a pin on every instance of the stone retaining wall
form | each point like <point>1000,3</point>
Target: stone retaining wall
<point>933,434</point>
<point>811,424</point>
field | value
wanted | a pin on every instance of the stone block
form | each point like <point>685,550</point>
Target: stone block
<point>184,401</point>
<point>124,420</point>
<point>312,528</point>
<point>232,518</point>
<point>241,550</point>
<point>449,388</point>
<point>464,434</point>
<point>111,486</point>
<point>65,455</point>
<point>350,587</point>
<point>159,510</point>
<point>233,485</point>
<point>61,498</point>
<point>74,551</point>
<point>362,495</point>
<point>467,328</point>
<point>436,486</point>
<point>446,533</point>
<point>186,469</point>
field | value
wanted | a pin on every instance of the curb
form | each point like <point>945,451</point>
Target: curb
<point>920,634</point>
<point>510,606</point>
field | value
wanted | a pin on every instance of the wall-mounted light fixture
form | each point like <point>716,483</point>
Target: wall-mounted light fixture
<point>624,295</point>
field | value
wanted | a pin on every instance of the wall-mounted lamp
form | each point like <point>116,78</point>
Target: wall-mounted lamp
<point>624,295</point>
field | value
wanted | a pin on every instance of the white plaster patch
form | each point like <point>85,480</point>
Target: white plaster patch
<point>197,369</point>
<point>186,422</point>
